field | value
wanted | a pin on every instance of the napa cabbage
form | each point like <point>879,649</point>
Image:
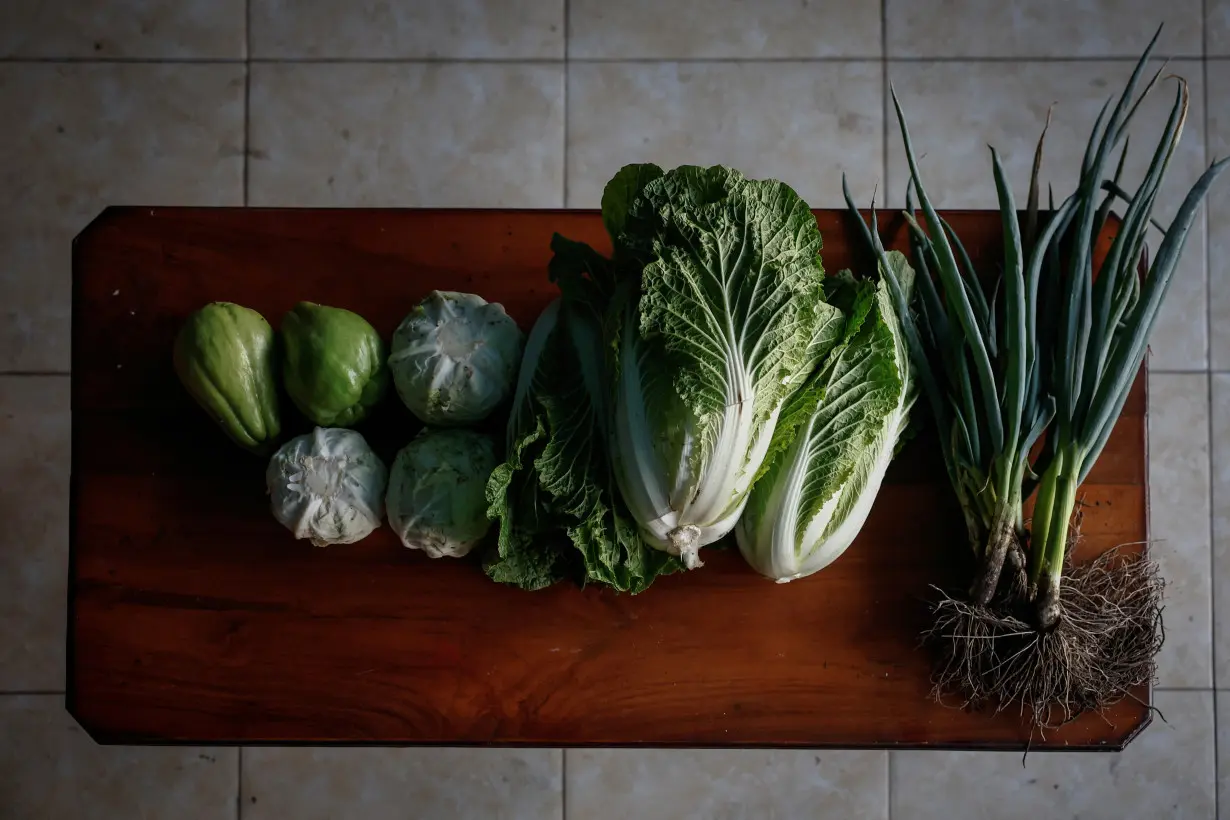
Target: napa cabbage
<point>836,439</point>
<point>726,317</point>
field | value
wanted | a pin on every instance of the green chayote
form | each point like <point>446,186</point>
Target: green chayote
<point>225,355</point>
<point>334,367</point>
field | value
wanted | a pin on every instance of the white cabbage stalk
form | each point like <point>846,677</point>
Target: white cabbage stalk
<point>688,502</point>
<point>815,497</point>
<point>730,312</point>
<point>327,486</point>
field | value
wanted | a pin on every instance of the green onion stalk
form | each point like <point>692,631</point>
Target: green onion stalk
<point>974,351</point>
<point>1103,326</point>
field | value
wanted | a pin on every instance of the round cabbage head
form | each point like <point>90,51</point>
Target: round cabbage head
<point>454,358</point>
<point>327,486</point>
<point>437,498</point>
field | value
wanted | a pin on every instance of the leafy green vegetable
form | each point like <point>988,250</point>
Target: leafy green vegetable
<point>729,313</point>
<point>835,439</point>
<point>559,512</point>
<point>1103,326</point>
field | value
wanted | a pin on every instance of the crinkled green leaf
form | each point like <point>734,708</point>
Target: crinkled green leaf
<point>834,441</point>
<point>731,312</point>
<point>554,498</point>
<point>619,193</point>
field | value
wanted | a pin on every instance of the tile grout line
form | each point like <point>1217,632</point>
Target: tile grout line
<point>563,784</point>
<point>1208,386</point>
<point>34,373</point>
<point>888,810</point>
<point>884,98</point>
<point>247,94</point>
<point>31,692</point>
<point>239,784</point>
<point>1127,58</point>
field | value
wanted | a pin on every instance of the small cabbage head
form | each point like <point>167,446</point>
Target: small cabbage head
<point>437,499</point>
<point>327,486</point>
<point>454,358</point>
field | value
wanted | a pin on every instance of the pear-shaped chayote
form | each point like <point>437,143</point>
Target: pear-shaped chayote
<point>334,364</point>
<point>225,355</point>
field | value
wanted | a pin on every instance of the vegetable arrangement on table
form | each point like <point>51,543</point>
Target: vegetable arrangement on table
<point>708,381</point>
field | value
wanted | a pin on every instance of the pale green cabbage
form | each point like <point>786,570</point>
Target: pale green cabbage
<point>835,441</point>
<point>436,501</point>
<point>454,358</point>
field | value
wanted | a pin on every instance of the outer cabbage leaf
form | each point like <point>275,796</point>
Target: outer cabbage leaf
<point>835,442</point>
<point>622,191</point>
<point>730,315</point>
<point>555,499</point>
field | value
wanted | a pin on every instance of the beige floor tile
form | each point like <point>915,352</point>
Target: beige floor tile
<point>1219,214</point>
<point>1042,28</point>
<point>1217,27</point>
<point>802,123</point>
<point>951,136</point>
<point>122,28</point>
<point>391,784</point>
<point>472,135</point>
<point>83,136</point>
<point>34,470</point>
<point>1220,392</point>
<point>722,29</point>
<point>50,769</point>
<point>1168,772</point>
<point>1179,525</point>
<point>653,784</point>
<point>409,29</point>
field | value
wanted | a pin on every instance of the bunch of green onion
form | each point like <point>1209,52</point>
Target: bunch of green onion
<point>1047,348</point>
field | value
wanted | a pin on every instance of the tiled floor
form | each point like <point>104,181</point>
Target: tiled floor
<point>535,103</point>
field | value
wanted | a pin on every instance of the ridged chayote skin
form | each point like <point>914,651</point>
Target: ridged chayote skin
<point>437,498</point>
<point>454,358</point>
<point>327,486</point>
<point>225,355</point>
<point>334,365</point>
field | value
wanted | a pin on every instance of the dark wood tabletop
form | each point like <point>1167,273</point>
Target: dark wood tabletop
<point>196,618</point>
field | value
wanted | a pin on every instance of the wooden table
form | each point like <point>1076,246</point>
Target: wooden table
<point>195,618</point>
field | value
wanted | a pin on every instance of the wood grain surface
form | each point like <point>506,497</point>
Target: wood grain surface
<point>195,617</point>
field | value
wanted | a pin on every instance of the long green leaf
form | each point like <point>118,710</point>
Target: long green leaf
<point>1017,314</point>
<point>1126,360</point>
<point>954,290</point>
